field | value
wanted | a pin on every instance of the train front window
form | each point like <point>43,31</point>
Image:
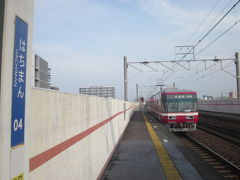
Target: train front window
<point>181,103</point>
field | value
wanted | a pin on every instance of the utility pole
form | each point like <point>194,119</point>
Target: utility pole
<point>237,62</point>
<point>2,10</point>
<point>125,66</point>
<point>160,85</point>
<point>137,91</point>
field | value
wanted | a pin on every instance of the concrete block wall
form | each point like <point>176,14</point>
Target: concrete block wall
<point>72,136</point>
<point>225,106</point>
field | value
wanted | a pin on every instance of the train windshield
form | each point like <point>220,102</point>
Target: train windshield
<point>180,103</point>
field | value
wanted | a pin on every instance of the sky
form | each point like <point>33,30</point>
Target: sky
<point>84,42</point>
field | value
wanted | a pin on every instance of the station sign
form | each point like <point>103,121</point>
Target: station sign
<point>19,83</point>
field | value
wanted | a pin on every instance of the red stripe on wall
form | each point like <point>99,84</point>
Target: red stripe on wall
<point>45,156</point>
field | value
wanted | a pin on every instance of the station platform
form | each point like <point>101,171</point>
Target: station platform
<point>149,151</point>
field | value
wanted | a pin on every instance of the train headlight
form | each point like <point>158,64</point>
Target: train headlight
<point>171,117</point>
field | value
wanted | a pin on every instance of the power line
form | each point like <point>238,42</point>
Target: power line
<point>215,18</point>
<point>204,19</point>
<point>194,74</point>
<point>206,34</point>
<point>188,61</point>
<point>218,22</point>
<point>212,28</point>
<point>204,76</point>
<point>217,38</point>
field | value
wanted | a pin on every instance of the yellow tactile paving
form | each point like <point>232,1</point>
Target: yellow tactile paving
<point>168,166</point>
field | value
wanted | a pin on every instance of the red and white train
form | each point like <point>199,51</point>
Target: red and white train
<point>175,107</point>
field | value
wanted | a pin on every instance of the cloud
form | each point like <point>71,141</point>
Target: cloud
<point>85,41</point>
<point>186,18</point>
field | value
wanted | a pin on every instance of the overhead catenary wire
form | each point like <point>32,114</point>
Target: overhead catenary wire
<point>199,71</point>
<point>218,22</point>
<point>204,36</point>
<point>204,76</point>
<point>212,28</point>
<point>211,42</point>
<point>212,22</point>
<point>217,38</point>
<point>204,19</point>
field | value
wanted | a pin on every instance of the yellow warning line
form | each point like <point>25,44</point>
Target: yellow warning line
<point>168,167</point>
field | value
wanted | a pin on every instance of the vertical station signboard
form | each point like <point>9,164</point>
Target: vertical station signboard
<point>19,83</point>
<point>18,98</point>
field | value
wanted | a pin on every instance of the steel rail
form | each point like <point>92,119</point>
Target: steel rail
<point>215,131</point>
<point>230,165</point>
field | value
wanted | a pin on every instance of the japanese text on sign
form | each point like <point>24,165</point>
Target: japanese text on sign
<point>19,82</point>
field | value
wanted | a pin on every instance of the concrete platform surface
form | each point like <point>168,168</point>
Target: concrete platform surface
<point>136,156</point>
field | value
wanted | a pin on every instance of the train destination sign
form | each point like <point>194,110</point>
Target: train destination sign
<point>19,83</point>
<point>181,96</point>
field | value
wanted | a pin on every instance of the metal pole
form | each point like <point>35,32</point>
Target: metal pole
<point>237,62</point>
<point>2,11</point>
<point>137,91</point>
<point>125,66</point>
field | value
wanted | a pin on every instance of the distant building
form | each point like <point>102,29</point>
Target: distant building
<point>233,94</point>
<point>54,88</point>
<point>41,72</point>
<point>101,91</point>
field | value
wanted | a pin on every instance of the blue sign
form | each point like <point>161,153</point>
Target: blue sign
<point>19,82</point>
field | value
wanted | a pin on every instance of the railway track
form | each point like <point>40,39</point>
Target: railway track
<point>226,136</point>
<point>224,167</point>
<point>228,124</point>
<point>225,130</point>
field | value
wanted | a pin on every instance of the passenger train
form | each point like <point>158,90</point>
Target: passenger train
<point>175,107</point>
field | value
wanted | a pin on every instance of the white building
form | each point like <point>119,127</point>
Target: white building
<point>101,91</point>
<point>40,72</point>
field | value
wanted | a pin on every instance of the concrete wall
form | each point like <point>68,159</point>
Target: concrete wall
<point>224,106</point>
<point>72,136</point>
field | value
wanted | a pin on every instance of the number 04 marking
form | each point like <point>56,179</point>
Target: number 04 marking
<point>17,124</point>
